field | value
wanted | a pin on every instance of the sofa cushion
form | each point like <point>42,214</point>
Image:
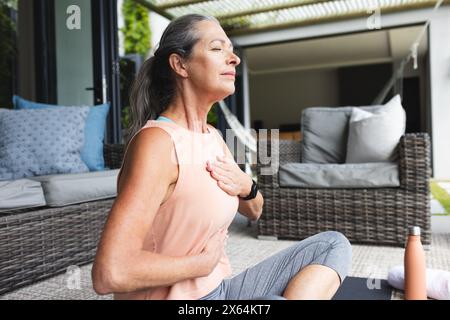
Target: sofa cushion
<point>21,194</point>
<point>39,142</point>
<point>325,132</point>
<point>358,175</point>
<point>374,136</point>
<point>92,151</point>
<point>64,189</point>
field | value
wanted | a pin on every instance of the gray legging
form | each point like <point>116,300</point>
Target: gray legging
<point>268,279</point>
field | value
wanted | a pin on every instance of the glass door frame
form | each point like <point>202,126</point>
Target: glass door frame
<point>105,55</point>
<point>45,51</point>
<point>106,64</point>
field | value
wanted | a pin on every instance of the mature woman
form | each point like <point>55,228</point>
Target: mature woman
<point>179,189</point>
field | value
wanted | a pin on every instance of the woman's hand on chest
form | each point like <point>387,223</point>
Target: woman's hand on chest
<point>229,176</point>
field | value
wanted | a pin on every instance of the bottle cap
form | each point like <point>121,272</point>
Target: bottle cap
<point>414,231</point>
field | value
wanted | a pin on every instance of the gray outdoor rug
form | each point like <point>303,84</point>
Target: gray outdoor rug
<point>245,250</point>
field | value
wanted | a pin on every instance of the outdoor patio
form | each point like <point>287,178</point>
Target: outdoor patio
<point>331,67</point>
<point>245,250</point>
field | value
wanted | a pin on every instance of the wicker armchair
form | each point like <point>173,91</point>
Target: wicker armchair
<point>38,243</point>
<point>371,216</point>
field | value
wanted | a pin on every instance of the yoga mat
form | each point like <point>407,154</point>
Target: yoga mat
<point>354,288</point>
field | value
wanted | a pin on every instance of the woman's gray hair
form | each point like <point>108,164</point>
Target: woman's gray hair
<point>153,88</point>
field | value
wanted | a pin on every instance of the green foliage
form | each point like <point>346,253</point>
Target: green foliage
<point>137,40</point>
<point>212,116</point>
<point>126,117</point>
<point>136,30</point>
<point>127,73</point>
<point>8,51</point>
<point>241,22</point>
<point>10,3</point>
<point>441,195</point>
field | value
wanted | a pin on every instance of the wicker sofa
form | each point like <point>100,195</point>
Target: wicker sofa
<point>377,216</point>
<point>38,243</point>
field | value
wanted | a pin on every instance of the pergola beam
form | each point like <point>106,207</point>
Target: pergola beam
<point>268,9</point>
<point>289,24</point>
<point>175,4</point>
<point>152,7</point>
<point>235,29</point>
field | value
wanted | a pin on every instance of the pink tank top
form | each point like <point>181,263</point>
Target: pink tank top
<point>195,210</point>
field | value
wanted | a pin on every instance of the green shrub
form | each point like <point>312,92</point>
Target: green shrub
<point>212,116</point>
<point>8,51</point>
<point>136,29</point>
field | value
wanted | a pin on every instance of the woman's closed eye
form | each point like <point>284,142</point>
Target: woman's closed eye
<point>220,49</point>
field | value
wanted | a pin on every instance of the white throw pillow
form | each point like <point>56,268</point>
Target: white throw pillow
<point>374,136</point>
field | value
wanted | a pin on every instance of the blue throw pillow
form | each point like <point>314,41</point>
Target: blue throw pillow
<point>41,142</point>
<point>92,152</point>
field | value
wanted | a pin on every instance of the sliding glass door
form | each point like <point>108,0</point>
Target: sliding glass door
<point>78,56</point>
<point>74,52</point>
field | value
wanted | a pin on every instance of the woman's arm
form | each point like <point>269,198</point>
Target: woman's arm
<point>252,209</point>
<point>120,264</point>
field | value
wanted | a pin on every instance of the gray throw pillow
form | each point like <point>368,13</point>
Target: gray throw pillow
<point>40,142</point>
<point>374,136</point>
<point>324,133</point>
